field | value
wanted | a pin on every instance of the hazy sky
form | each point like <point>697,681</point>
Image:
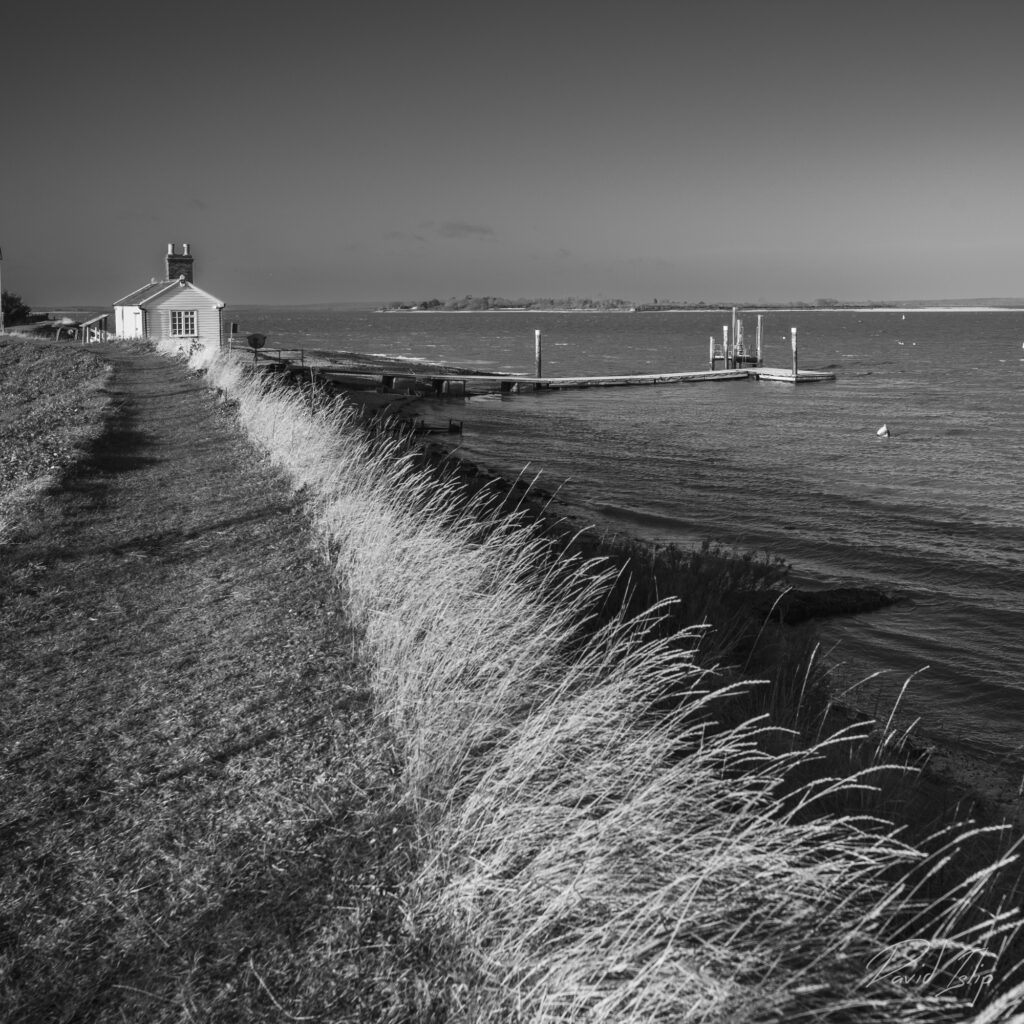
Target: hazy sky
<point>313,152</point>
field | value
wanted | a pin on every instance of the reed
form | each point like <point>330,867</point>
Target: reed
<point>590,852</point>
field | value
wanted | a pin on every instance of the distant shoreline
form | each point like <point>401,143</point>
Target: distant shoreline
<point>728,309</point>
<point>517,309</point>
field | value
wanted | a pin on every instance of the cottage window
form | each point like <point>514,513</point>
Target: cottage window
<point>183,323</point>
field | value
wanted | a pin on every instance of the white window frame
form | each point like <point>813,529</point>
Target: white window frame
<point>184,323</point>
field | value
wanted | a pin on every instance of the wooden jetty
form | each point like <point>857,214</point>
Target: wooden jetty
<point>462,383</point>
<point>361,374</point>
<point>512,383</point>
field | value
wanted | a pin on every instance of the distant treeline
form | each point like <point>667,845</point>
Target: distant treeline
<point>493,302</point>
<point>675,304</point>
<point>485,302</point>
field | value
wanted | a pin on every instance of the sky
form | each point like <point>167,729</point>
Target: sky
<point>315,152</point>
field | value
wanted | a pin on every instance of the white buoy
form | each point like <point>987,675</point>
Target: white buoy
<point>883,431</point>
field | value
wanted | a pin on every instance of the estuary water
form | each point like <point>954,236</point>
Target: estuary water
<point>935,511</point>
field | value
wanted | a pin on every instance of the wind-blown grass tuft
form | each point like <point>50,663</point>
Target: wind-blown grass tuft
<point>592,853</point>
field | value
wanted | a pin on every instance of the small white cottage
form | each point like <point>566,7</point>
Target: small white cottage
<point>173,309</point>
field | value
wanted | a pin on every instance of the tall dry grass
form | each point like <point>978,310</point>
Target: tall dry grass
<point>591,855</point>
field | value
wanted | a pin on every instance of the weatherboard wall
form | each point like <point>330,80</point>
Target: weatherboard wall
<point>207,310</point>
<point>128,322</point>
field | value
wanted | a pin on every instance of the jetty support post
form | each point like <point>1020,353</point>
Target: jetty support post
<point>537,352</point>
<point>760,360</point>
<point>725,347</point>
<point>795,371</point>
<point>711,351</point>
<point>732,332</point>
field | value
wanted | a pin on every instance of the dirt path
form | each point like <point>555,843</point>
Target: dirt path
<point>191,780</point>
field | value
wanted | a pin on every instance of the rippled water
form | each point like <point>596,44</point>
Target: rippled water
<point>936,510</point>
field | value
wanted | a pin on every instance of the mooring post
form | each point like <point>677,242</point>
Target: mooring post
<point>711,351</point>
<point>725,347</point>
<point>536,335</point>
<point>793,332</point>
<point>760,361</point>
<point>732,335</point>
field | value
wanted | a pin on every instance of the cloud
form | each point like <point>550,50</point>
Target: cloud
<point>460,229</point>
<point>137,216</point>
<point>402,236</point>
<point>647,263</point>
<point>431,229</point>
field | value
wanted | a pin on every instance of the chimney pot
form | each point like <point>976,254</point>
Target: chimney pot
<point>185,249</point>
<point>180,265</point>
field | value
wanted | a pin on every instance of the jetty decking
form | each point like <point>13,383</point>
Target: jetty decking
<point>508,382</point>
<point>395,375</point>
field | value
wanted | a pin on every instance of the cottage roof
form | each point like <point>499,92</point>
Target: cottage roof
<point>145,295</point>
<point>137,296</point>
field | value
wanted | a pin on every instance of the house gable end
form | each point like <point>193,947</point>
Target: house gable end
<point>175,288</point>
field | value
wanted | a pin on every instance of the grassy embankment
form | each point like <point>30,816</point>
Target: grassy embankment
<point>52,409</point>
<point>606,827</point>
<point>199,818</point>
<point>607,853</point>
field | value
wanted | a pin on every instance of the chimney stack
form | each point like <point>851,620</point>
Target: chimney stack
<point>179,265</point>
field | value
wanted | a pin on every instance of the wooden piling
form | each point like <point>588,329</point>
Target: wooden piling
<point>537,353</point>
<point>795,371</point>
<point>711,352</point>
<point>760,359</point>
<point>725,347</point>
